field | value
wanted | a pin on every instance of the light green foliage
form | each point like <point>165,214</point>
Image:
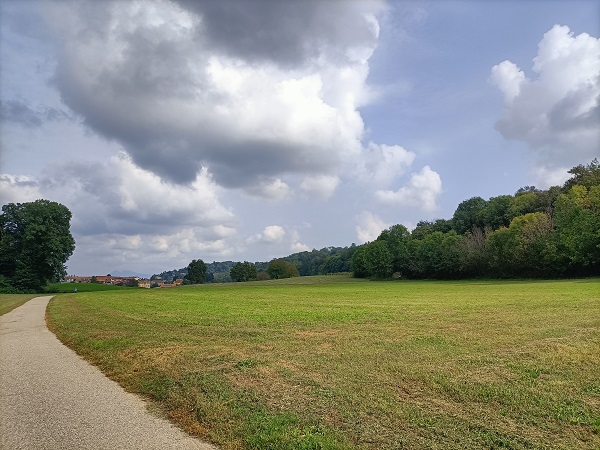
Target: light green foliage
<point>337,362</point>
<point>35,243</point>
<point>577,222</point>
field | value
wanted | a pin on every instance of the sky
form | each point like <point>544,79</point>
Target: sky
<point>253,129</point>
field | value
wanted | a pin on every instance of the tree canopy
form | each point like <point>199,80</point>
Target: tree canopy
<point>535,233</point>
<point>196,272</point>
<point>35,243</point>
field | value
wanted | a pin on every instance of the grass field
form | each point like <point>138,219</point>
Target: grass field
<point>82,287</point>
<point>337,363</point>
<point>8,302</point>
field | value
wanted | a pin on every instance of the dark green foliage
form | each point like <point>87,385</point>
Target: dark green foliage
<point>278,268</point>
<point>397,239</point>
<point>535,233</point>
<point>35,243</point>
<point>468,215</point>
<point>196,271</point>
<point>496,212</point>
<point>378,260</point>
<point>587,176</point>
<point>245,271</point>
<point>359,263</point>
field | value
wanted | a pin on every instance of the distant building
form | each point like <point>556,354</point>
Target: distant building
<point>102,279</point>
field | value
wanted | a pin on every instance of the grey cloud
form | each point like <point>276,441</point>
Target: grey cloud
<point>17,111</point>
<point>150,82</point>
<point>285,32</point>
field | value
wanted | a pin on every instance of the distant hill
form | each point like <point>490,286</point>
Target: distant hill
<point>128,273</point>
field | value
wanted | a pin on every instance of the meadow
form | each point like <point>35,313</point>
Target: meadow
<point>334,362</point>
<point>8,302</point>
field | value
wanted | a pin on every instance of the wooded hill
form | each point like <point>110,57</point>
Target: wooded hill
<point>531,234</point>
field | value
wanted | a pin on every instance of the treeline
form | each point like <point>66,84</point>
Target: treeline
<point>533,233</point>
<point>315,262</point>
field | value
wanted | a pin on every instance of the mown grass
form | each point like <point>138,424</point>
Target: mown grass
<point>8,302</point>
<point>82,287</point>
<point>337,363</point>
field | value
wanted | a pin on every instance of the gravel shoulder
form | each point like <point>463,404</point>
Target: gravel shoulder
<point>52,399</point>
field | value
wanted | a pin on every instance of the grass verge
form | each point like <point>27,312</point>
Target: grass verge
<point>337,363</point>
<point>8,302</point>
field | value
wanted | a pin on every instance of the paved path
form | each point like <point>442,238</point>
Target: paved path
<point>50,398</point>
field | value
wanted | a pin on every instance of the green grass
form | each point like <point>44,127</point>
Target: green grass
<point>8,302</point>
<point>82,287</point>
<point>336,363</point>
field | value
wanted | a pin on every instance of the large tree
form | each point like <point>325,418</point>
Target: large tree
<point>196,271</point>
<point>278,268</point>
<point>245,271</point>
<point>35,243</point>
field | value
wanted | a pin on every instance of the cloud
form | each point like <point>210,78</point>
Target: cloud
<point>557,111</point>
<point>18,189</point>
<point>274,189</point>
<point>369,227</point>
<point>17,111</point>
<point>253,94</point>
<point>271,234</point>
<point>122,213</point>
<point>421,191</point>
<point>381,164</point>
<point>298,247</point>
<point>320,186</point>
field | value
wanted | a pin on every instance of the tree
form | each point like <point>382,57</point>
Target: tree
<point>587,176</point>
<point>245,271</point>
<point>358,263</point>
<point>278,268</point>
<point>397,238</point>
<point>35,243</point>
<point>378,260</point>
<point>496,212</point>
<point>196,271</point>
<point>468,215</point>
<point>577,222</point>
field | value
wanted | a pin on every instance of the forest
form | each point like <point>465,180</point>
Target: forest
<point>531,234</point>
<point>534,233</point>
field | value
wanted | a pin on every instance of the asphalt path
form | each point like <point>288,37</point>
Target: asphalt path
<point>50,398</point>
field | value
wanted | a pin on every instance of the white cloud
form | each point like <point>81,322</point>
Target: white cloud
<point>122,213</point>
<point>556,112</point>
<point>421,191</point>
<point>253,105</point>
<point>276,190</point>
<point>273,233</point>
<point>381,164</point>
<point>320,186</point>
<point>18,189</point>
<point>298,247</point>
<point>369,227</point>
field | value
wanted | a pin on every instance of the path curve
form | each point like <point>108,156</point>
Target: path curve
<point>50,398</point>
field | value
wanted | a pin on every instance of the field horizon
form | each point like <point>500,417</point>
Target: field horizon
<point>333,362</point>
